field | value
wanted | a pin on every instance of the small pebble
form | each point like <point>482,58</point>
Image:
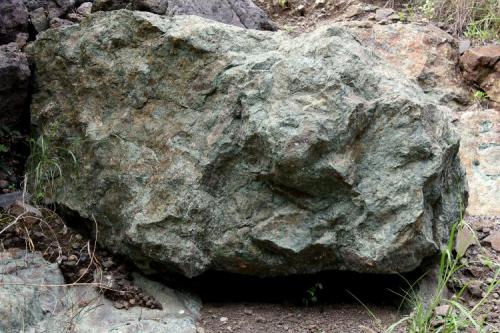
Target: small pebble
<point>223,319</point>
<point>118,305</point>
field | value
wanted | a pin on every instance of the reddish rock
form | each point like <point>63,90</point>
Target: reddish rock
<point>422,52</point>
<point>481,66</point>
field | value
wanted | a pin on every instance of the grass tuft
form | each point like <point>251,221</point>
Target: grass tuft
<point>45,166</point>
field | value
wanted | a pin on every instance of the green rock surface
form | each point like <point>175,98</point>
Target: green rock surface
<point>203,146</point>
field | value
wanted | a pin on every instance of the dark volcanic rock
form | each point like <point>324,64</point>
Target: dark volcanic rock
<point>13,20</point>
<point>14,82</point>
<point>242,13</point>
<point>206,146</point>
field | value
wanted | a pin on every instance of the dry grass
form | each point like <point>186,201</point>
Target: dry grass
<point>479,19</point>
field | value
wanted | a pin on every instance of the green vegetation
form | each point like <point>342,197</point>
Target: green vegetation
<point>283,3</point>
<point>479,96</point>
<point>424,317</point>
<point>476,19</point>
<point>311,294</point>
<point>45,166</point>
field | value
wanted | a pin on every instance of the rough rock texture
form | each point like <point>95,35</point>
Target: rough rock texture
<point>205,146</point>
<point>14,81</point>
<point>242,13</point>
<point>482,66</point>
<point>29,308</point>
<point>44,14</point>
<point>421,52</point>
<point>13,20</point>
<point>480,154</point>
<point>24,304</point>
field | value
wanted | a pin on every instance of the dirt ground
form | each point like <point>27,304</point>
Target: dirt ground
<point>279,318</point>
<point>298,16</point>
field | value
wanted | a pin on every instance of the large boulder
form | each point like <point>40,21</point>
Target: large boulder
<point>15,78</point>
<point>202,146</point>
<point>242,13</point>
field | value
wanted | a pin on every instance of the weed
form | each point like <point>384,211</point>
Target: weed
<point>428,8</point>
<point>45,166</point>
<point>480,97</point>
<point>476,19</point>
<point>312,294</point>
<point>283,3</point>
<point>3,148</point>
<point>458,318</point>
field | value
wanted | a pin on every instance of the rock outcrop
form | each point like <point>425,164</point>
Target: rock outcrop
<point>34,299</point>
<point>241,13</point>
<point>479,130</point>
<point>203,146</point>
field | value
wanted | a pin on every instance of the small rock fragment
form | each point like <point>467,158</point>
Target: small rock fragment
<point>58,23</point>
<point>442,310</point>
<point>383,13</point>
<point>475,288</point>
<point>118,305</point>
<point>85,8</point>
<point>494,240</point>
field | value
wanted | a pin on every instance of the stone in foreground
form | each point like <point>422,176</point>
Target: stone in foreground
<point>32,302</point>
<point>203,146</point>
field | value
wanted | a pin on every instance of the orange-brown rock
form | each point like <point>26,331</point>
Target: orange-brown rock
<point>421,52</point>
<point>481,66</point>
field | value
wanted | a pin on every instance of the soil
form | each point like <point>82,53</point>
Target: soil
<point>274,318</point>
<point>481,262</point>
<point>298,16</point>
